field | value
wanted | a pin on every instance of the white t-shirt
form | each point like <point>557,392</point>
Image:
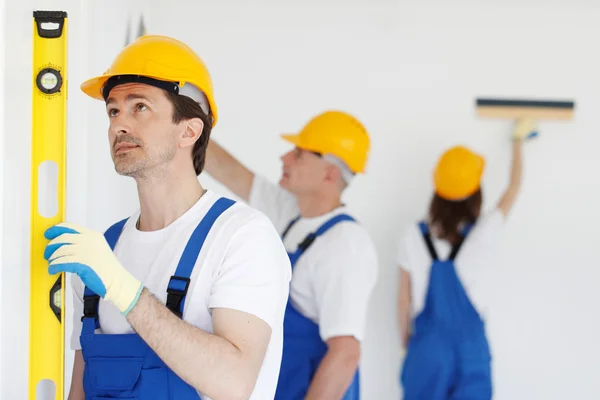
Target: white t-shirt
<point>474,257</point>
<point>333,280</point>
<point>242,266</point>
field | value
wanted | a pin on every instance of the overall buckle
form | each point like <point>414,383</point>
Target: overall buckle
<point>90,306</point>
<point>175,296</point>
<point>308,240</point>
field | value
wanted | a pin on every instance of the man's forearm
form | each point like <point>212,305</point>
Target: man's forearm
<point>334,375</point>
<point>516,170</point>
<point>76,392</point>
<point>404,306</point>
<point>405,329</point>
<point>208,362</point>
<point>510,195</point>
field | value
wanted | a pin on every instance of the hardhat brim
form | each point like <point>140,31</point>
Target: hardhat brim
<point>295,139</point>
<point>454,197</point>
<point>290,137</point>
<point>93,87</point>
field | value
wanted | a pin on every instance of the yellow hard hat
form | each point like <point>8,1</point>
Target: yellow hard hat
<point>336,133</point>
<point>458,173</point>
<point>157,60</point>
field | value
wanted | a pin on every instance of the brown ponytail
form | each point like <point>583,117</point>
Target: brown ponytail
<point>446,217</point>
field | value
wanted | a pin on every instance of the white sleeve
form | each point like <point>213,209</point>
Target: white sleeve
<point>275,202</point>
<point>404,250</point>
<point>344,281</point>
<point>484,235</point>
<point>77,288</point>
<point>255,273</point>
<point>478,249</point>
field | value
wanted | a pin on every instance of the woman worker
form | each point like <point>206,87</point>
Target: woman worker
<point>440,261</point>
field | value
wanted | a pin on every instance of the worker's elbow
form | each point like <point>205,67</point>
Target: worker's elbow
<point>243,393</point>
<point>241,390</point>
<point>237,391</point>
<point>346,349</point>
<point>239,387</point>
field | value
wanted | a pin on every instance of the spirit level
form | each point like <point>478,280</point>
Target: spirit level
<point>48,163</point>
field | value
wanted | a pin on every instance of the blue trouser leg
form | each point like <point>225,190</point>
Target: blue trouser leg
<point>428,368</point>
<point>474,382</point>
<point>474,377</point>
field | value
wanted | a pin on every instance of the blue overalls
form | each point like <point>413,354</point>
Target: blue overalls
<point>303,348</point>
<point>124,366</point>
<point>448,356</point>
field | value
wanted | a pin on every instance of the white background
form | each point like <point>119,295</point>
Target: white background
<point>411,73</point>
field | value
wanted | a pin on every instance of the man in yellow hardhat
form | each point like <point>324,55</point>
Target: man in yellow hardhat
<point>442,259</point>
<point>185,298</point>
<point>333,258</point>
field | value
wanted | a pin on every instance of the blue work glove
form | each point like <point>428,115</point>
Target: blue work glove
<point>86,253</point>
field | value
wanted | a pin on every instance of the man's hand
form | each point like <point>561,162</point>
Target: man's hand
<point>76,249</point>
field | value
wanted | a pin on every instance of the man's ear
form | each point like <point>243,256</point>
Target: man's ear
<point>332,173</point>
<point>192,132</point>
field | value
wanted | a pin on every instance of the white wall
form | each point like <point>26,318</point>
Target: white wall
<point>2,166</point>
<point>411,74</point>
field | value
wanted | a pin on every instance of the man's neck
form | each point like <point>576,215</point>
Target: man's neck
<point>164,200</point>
<point>315,205</point>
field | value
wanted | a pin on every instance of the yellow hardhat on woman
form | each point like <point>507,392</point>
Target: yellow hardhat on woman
<point>458,173</point>
<point>336,133</point>
<point>160,61</point>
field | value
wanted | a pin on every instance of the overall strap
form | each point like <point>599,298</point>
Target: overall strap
<point>91,299</point>
<point>427,236</point>
<point>455,249</point>
<point>179,283</point>
<point>463,234</point>
<point>310,238</point>
<point>112,234</point>
<point>292,222</point>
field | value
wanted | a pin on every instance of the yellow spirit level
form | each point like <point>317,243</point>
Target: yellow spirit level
<point>48,163</point>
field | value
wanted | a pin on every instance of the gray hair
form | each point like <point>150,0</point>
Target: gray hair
<point>347,174</point>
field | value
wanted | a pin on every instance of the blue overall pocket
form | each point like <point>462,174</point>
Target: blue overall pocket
<point>114,374</point>
<point>125,378</point>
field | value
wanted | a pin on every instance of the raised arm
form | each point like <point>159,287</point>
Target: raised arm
<point>230,172</point>
<point>523,130</point>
